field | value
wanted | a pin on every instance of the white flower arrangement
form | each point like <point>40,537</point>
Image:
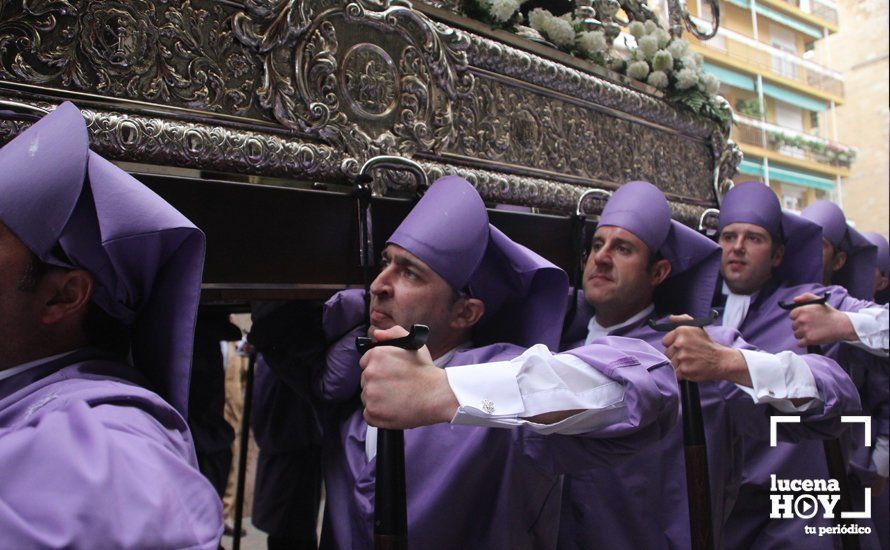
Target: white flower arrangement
<point>712,84</point>
<point>502,10</point>
<point>592,42</point>
<point>663,61</point>
<point>687,78</point>
<point>653,56</point>
<point>662,37</point>
<point>559,30</point>
<point>678,48</point>
<point>636,29</point>
<point>658,79</point>
<point>638,70</point>
<point>536,18</point>
<point>666,63</point>
<point>648,45</point>
<point>499,13</point>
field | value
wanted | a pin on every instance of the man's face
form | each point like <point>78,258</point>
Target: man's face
<point>748,258</point>
<point>407,292</point>
<point>19,312</point>
<point>832,260</point>
<point>617,273</point>
<point>881,282</point>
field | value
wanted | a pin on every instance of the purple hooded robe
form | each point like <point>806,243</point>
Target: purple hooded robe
<point>642,503</point>
<point>473,487</point>
<point>768,327</point>
<point>89,457</point>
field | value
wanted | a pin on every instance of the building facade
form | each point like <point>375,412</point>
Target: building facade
<point>776,71</point>
<point>860,52</point>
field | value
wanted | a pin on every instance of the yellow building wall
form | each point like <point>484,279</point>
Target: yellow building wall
<point>860,51</point>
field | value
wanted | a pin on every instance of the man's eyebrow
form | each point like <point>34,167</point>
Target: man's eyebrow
<point>402,261</point>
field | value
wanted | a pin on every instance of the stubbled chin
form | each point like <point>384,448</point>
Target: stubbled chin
<point>385,325</point>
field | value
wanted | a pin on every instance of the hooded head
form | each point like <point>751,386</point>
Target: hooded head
<point>882,257</point>
<point>849,258</point>
<point>882,266</point>
<point>642,209</point>
<point>754,203</point>
<point>75,210</point>
<point>523,294</point>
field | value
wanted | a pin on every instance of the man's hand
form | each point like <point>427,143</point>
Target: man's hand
<point>404,389</point>
<point>820,324</point>
<point>697,358</point>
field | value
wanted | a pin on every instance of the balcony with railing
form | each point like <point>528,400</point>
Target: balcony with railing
<point>792,143</point>
<point>769,60</point>
<point>822,9</point>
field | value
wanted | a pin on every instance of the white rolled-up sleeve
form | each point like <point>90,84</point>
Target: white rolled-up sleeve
<point>871,326</point>
<point>503,394</point>
<point>777,378</point>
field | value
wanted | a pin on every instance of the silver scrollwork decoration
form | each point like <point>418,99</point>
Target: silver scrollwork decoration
<point>370,77</point>
<point>679,17</point>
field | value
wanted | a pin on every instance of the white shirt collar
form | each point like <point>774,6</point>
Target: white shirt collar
<point>595,330</point>
<point>446,357</point>
<point>12,371</point>
<point>737,306</point>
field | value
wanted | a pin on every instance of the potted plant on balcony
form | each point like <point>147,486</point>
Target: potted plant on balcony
<point>750,108</point>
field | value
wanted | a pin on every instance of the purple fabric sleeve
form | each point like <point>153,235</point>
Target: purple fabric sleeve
<point>652,405</point>
<point>103,476</point>
<point>823,422</point>
<point>343,312</point>
<point>340,377</point>
<point>870,375</point>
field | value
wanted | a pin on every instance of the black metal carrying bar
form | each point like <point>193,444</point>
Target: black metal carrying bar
<point>834,455</point>
<point>390,495</point>
<point>277,243</point>
<point>698,481</point>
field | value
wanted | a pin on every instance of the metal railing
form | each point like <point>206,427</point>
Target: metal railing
<point>823,10</point>
<point>771,60</point>
<point>791,143</point>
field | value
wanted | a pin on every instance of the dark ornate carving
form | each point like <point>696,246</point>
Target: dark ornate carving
<point>551,134</point>
<point>526,67</point>
<point>405,82</point>
<point>121,136</point>
<point>364,77</point>
<point>728,167</point>
<point>152,51</point>
<point>369,80</point>
<point>496,187</point>
<point>176,143</point>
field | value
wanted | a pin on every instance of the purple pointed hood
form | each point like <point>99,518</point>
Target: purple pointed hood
<point>882,258</point>
<point>524,294</point>
<point>640,208</point>
<point>857,274</point>
<point>755,203</point>
<point>74,209</point>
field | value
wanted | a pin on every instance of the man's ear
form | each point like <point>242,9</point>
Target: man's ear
<point>660,271</point>
<point>467,313</point>
<point>778,255</point>
<point>65,294</point>
<point>839,260</point>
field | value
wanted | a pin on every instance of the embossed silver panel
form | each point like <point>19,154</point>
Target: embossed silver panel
<point>311,89</point>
